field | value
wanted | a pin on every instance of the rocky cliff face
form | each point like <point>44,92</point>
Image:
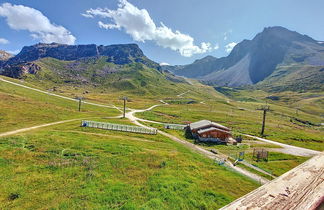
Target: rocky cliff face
<point>58,51</point>
<point>118,54</point>
<point>252,61</point>
<point>19,70</point>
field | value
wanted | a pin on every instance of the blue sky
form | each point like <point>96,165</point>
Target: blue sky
<point>191,29</point>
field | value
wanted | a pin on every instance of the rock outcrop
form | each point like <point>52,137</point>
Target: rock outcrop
<point>19,70</point>
<point>4,55</point>
<point>118,54</point>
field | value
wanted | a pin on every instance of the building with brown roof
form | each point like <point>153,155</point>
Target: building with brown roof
<point>208,131</point>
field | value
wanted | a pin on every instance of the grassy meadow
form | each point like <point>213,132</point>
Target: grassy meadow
<point>67,166</point>
<point>277,164</point>
<point>21,107</point>
<point>283,124</point>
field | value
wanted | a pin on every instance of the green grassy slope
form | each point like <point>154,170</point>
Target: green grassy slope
<point>68,167</point>
<point>96,74</point>
<point>22,108</point>
<point>294,77</point>
<point>97,80</point>
<point>282,124</point>
<point>278,163</point>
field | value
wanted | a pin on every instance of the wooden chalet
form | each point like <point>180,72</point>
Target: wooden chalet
<point>208,131</point>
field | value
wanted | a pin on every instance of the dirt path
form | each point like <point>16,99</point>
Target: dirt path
<point>183,93</point>
<point>288,149</point>
<point>300,188</point>
<point>206,153</point>
<point>135,120</point>
<point>215,157</point>
<point>34,127</point>
<point>59,96</point>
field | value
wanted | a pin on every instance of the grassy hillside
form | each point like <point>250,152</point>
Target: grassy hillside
<point>278,162</point>
<point>98,80</point>
<point>294,77</point>
<point>96,74</point>
<point>294,119</point>
<point>22,108</point>
<point>68,167</point>
<point>283,124</point>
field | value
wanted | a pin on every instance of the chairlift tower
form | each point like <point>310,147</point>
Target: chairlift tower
<point>125,98</point>
<point>80,102</point>
<point>264,109</point>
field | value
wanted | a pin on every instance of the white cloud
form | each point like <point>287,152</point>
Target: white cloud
<point>140,26</point>
<point>164,64</point>
<point>230,46</point>
<point>216,47</point>
<point>20,17</point>
<point>227,33</point>
<point>3,41</point>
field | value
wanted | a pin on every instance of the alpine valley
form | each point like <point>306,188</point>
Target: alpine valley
<point>57,102</point>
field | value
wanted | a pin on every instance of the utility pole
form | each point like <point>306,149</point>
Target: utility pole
<point>80,102</point>
<point>124,99</point>
<point>264,109</point>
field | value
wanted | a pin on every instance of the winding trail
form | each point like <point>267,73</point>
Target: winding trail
<point>34,127</point>
<point>181,94</point>
<point>206,153</point>
<point>305,181</point>
<point>288,149</point>
<point>59,96</point>
<point>135,120</point>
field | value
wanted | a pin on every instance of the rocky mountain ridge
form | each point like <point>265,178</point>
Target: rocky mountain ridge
<point>118,54</point>
<point>253,61</point>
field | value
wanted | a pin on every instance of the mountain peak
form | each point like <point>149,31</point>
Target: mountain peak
<point>205,59</point>
<point>283,33</point>
<point>252,61</point>
<point>4,55</point>
<point>275,28</point>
